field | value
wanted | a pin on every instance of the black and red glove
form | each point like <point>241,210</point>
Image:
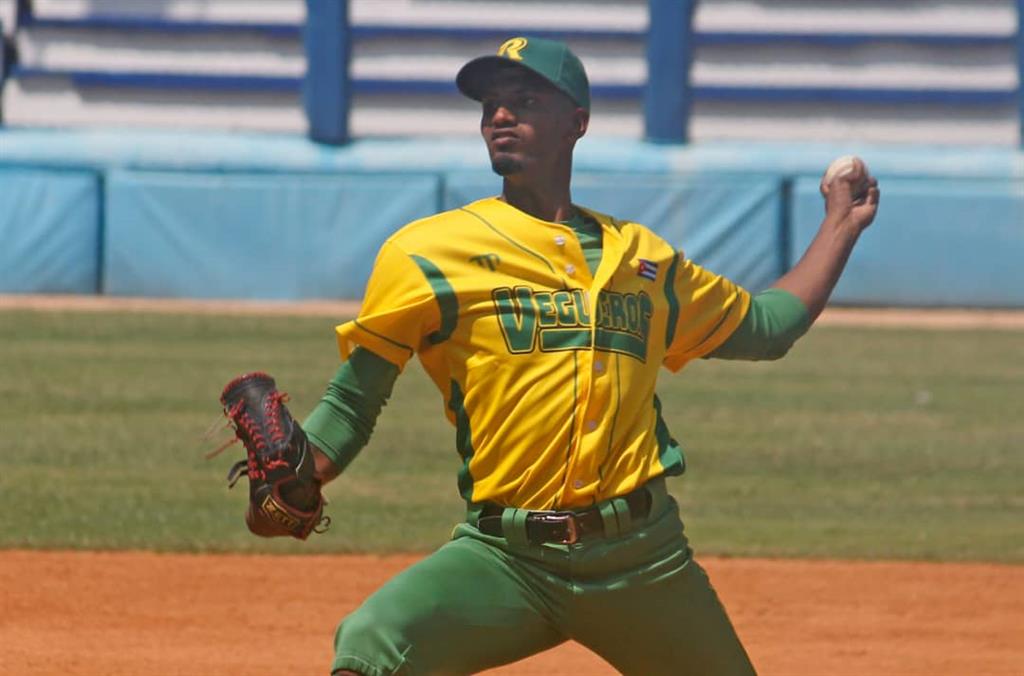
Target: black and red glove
<point>284,493</point>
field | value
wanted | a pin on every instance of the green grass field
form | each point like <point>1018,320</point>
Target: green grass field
<point>862,443</point>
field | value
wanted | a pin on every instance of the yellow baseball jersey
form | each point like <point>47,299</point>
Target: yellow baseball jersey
<point>547,372</point>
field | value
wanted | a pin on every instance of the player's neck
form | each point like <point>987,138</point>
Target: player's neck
<point>546,200</point>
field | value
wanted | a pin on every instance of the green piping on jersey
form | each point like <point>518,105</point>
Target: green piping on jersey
<point>673,302</point>
<point>511,241</point>
<point>383,337</point>
<point>463,440</point>
<point>615,416</point>
<point>718,324</point>
<point>575,405</point>
<point>446,300</point>
<point>669,454</point>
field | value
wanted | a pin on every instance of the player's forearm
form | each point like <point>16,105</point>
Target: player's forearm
<point>851,202</point>
<point>341,423</point>
<point>814,277</point>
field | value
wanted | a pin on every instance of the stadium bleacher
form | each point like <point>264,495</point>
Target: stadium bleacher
<point>897,74</point>
<point>213,65</point>
<point>892,72</point>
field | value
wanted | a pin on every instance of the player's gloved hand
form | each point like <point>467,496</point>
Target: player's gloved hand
<point>284,493</point>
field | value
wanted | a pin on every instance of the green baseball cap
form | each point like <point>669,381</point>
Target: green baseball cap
<point>551,59</point>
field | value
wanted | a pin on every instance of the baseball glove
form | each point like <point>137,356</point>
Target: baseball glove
<point>284,493</point>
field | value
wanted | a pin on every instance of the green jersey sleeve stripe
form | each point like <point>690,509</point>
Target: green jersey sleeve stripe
<point>673,302</point>
<point>446,300</point>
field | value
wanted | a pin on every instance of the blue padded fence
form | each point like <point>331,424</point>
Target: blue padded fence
<point>935,242</point>
<point>50,226</point>
<point>241,235</point>
<point>280,217</point>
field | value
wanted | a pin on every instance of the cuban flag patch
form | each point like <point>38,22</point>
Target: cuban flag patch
<point>647,269</point>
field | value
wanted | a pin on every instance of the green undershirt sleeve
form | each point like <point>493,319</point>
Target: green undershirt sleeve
<point>341,423</point>
<point>775,320</point>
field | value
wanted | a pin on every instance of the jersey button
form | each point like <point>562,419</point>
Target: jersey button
<point>599,366</point>
<point>591,425</point>
<point>578,484</point>
<point>570,269</point>
<point>559,240</point>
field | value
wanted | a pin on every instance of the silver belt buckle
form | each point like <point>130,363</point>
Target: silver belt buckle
<point>568,519</point>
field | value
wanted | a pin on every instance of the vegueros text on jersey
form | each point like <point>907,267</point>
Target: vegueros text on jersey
<point>552,321</point>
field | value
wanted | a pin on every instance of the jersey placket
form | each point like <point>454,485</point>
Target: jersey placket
<point>594,400</point>
<point>572,267</point>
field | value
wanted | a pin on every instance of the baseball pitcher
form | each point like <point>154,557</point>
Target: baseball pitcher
<point>544,325</point>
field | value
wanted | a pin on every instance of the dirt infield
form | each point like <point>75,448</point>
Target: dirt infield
<point>130,613</point>
<point>880,317</point>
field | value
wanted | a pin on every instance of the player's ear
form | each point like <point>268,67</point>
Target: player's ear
<point>580,122</point>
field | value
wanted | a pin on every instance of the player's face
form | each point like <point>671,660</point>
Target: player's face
<point>527,124</point>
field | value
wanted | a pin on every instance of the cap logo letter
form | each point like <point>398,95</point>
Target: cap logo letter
<point>510,49</point>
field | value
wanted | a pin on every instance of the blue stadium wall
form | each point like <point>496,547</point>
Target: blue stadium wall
<point>262,216</point>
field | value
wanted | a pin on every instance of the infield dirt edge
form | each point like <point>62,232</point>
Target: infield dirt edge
<point>933,318</point>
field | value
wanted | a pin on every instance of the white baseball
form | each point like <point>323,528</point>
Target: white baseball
<point>841,166</point>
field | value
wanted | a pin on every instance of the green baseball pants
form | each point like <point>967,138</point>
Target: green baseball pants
<point>635,597</point>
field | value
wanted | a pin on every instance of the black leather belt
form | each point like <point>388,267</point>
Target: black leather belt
<point>563,527</point>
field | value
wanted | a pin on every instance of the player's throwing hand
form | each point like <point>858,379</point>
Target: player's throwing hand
<point>850,191</point>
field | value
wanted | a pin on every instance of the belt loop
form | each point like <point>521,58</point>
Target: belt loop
<point>474,510</point>
<point>609,518</point>
<point>513,526</point>
<point>659,496</point>
<point>623,514</point>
